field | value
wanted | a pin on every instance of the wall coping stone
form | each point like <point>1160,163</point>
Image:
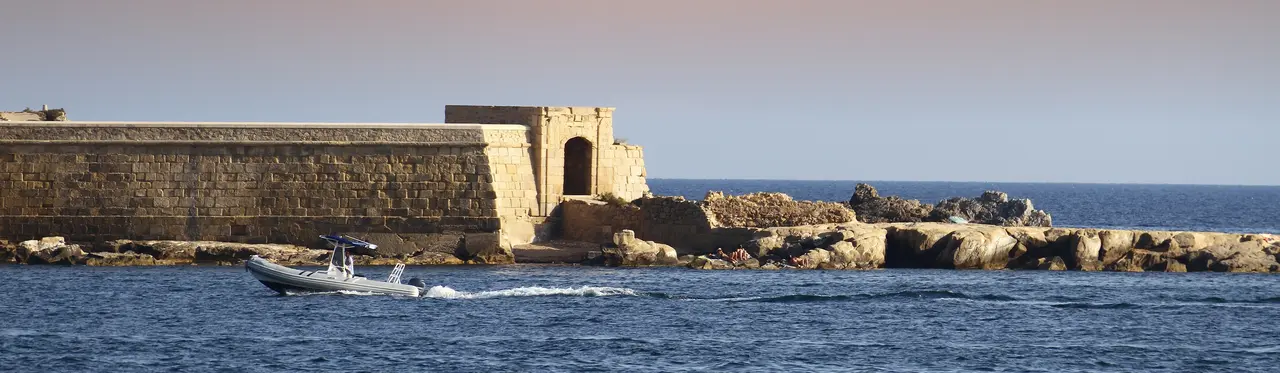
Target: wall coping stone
<point>319,125</point>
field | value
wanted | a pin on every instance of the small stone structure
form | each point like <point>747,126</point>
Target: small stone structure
<point>44,114</point>
<point>485,179</point>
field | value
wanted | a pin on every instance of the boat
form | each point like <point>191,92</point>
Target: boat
<point>340,275</point>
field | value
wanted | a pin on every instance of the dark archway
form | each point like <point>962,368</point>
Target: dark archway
<point>577,167</point>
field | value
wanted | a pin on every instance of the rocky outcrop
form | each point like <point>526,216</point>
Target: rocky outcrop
<point>1244,256</point>
<point>7,252</point>
<point>54,250</point>
<point>936,245</point>
<point>48,250</point>
<point>626,250</point>
<point>827,246</point>
<point>872,208</point>
<point>127,259</point>
<point>993,208</point>
<point>763,210</point>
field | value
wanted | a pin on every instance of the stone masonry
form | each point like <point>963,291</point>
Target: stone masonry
<point>289,182</point>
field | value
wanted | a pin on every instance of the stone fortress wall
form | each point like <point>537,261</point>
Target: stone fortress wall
<point>434,187</point>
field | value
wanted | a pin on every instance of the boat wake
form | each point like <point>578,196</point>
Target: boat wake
<point>445,292</point>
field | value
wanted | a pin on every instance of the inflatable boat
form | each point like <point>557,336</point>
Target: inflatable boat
<point>339,276</point>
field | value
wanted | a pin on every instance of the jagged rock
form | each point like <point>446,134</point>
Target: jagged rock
<point>763,246</point>
<point>1115,245</point>
<point>763,210</point>
<point>1168,265</point>
<point>7,254</point>
<point>813,258</point>
<point>1085,247</point>
<point>935,245</point>
<point>702,262</point>
<point>187,252</point>
<point>68,254</point>
<point>1032,244</point>
<point>48,250</point>
<point>1247,256</point>
<point>993,208</point>
<point>1125,265</point>
<point>109,259</point>
<point>871,208</point>
<point>1154,240</point>
<point>847,246</point>
<point>627,250</point>
<point>977,248</point>
<point>1052,264</point>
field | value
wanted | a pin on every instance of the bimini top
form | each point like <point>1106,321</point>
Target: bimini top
<point>348,241</point>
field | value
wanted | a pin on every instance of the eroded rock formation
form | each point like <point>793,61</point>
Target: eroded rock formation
<point>872,208</point>
<point>626,250</point>
<point>994,208</point>
<point>827,246</point>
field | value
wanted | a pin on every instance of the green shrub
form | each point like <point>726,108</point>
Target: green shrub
<point>612,199</point>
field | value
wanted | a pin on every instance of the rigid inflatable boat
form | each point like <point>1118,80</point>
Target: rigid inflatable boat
<point>340,275</point>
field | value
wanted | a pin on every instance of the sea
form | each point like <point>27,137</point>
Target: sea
<point>561,318</point>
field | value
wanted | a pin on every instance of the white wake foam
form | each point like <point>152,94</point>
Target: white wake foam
<point>445,292</point>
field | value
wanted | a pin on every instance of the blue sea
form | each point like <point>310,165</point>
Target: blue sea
<point>542,318</point>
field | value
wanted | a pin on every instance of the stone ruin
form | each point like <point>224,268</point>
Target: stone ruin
<point>45,114</point>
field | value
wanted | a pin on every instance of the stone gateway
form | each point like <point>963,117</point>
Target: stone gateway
<point>489,177</point>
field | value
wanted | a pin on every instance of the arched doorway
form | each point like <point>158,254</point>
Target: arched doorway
<point>577,167</point>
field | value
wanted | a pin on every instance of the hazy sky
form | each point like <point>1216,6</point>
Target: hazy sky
<point>1159,91</point>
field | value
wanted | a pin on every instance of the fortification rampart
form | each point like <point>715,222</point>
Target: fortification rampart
<point>456,187</point>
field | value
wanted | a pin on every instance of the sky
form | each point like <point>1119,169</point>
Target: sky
<point>1111,91</point>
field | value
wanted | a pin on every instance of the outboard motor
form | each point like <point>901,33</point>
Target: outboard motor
<point>418,282</point>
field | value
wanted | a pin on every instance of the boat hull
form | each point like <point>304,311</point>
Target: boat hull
<point>284,279</point>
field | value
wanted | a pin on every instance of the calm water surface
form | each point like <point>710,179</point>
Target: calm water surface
<point>547,318</point>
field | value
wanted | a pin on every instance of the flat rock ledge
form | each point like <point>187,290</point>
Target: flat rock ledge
<point>55,250</point>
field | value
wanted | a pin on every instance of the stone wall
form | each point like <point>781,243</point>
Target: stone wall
<point>629,175</point>
<point>249,182</point>
<point>415,185</point>
<point>596,221</point>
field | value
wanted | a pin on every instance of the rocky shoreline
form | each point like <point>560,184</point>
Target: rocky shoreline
<point>987,247</point>
<point>991,232</point>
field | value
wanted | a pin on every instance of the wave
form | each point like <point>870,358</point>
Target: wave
<point>915,294</point>
<point>1220,300</point>
<point>445,292</point>
<point>1097,306</point>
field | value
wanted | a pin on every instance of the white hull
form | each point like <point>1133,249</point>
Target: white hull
<point>282,279</point>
